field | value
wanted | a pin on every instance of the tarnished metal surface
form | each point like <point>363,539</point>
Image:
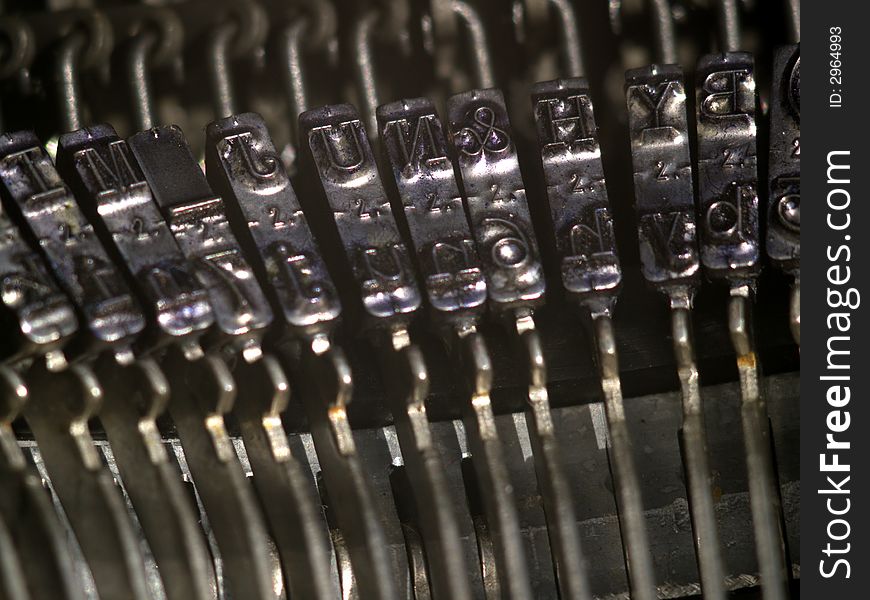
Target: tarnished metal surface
<point>109,311</point>
<point>501,223</point>
<point>727,166</point>
<point>591,273</point>
<point>197,219</point>
<point>339,388</point>
<point>664,201</point>
<point>415,143</point>
<point>243,165</point>
<point>496,199</point>
<point>576,189</point>
<point>784,201</point>
<point>44,319</point>
<point>401,362</point>
<point>664,198</point>
<point>416,146</point>
<point>378,258</point>
<point>113,193</point>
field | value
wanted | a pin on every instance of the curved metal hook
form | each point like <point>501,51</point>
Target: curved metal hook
<point>446,15</point>
<point>323,23</point>
<point>138,64</point>
<point>220,44</point>
<point>155,38</point>
<point>293,38</point>
<point>362,33</point>
<point>478,43</point>
<point>67,62</point>
<point>19,44</point>
<point>243,29</point>
<point>569,31</point>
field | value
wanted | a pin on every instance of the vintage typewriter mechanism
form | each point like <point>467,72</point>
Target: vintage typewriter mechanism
<point>399,299</point>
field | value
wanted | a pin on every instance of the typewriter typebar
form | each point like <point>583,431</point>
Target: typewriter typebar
<point>591,273</point>
<point>203,389</point>
<point>198,222</point>
<point>110,313</point>
<point>416,147</point>
<point>417,150</point>
<point>112,191</point>
<point>784,165</point>
<point>664,196</point>
<point>389,296</point>
<point>248,169</point>
<point>44,319</point>
<point>727,166</point>
<point>399,300</point>
<point>664,199</point>
<point>496,199</point>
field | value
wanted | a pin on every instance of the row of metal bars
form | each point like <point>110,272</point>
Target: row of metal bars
<point>175,280</point>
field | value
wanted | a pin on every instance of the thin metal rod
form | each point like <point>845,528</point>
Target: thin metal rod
<point>417,563</point>
<point>289,499</point>
<point>134,397</point>
<point>794,312</point>
<point>794,20</point>
<point>138,66</point>
<point>67,80</point>
<point>219,70</point>
<point>572,52</point>
<point>202,392</point>
<point>477,43</point>
<point>763,494</point>
<point>552,482</point>
<point>27,510</point>
<point>58,412</point>
<point>324,379</point>
<point>663,24</point>
<point>407,383</point>
<point>487,456</point>
<point>632,524</point>
<point>729,25</point>
<point>13,395</point>
<point>366,70</point>
<point>693,433</point>
<point>293,38</point>
<point>12,580</point>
